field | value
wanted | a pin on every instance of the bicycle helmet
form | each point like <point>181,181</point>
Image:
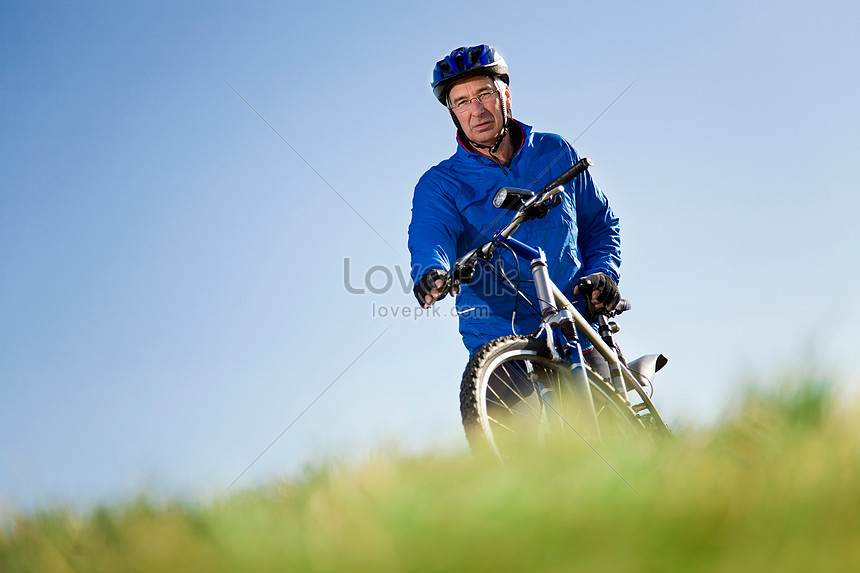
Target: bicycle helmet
<point>466,62</point>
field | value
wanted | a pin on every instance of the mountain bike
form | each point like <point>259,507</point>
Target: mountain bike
<point>521,390</point>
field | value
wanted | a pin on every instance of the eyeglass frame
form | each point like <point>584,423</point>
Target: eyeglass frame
<point>482,99</point>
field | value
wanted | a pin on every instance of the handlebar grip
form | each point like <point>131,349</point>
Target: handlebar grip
<point>622,305</point>
<point>563,179</point>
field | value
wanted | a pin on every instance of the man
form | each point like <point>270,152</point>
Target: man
<point>452,210</point>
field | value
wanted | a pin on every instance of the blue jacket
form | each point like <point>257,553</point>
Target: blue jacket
<point>452,213</point>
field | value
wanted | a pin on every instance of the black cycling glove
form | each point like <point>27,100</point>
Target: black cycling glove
<point>428,282</point>
<point>609,295</point>
<point>540,211</point>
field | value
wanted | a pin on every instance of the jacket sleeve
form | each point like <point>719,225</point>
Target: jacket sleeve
<point>599,232</point>
<point>435,227</point>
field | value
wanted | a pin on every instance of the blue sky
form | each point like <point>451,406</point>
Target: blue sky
<point>173,290</point>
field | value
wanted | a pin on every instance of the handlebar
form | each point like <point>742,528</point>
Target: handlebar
<point>524,213</point>
<point>574,171</point>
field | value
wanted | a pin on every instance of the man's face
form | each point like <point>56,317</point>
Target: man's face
<point>481,123</point>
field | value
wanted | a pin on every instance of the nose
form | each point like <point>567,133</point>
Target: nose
<point>475,102</point>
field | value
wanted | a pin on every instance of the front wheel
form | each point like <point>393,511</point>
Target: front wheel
<point>512,397</point>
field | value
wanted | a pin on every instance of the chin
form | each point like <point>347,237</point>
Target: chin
<point>483,140</point>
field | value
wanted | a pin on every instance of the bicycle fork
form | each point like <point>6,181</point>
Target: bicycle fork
<point>552,318</point>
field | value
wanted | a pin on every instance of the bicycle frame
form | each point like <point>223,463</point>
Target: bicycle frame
<point>555,309</point>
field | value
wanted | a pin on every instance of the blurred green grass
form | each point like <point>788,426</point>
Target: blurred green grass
<point>774,486</point>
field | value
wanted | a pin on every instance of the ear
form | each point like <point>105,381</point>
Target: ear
<point>507,92</point>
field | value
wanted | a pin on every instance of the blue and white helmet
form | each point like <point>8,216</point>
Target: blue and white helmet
<point>466,62</point>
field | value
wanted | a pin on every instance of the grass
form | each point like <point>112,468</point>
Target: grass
<point>774,486</point>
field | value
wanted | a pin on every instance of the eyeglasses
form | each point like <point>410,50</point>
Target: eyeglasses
<point>482,99</point>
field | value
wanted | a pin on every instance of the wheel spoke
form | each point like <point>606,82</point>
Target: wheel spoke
<point>510,376</point>
<point>501,425</point>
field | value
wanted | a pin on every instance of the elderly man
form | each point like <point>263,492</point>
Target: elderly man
<point>452,210</point>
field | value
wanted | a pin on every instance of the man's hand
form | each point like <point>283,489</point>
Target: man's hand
<point>540,211</point>
<point>600,292</point>
<point>428,288</point>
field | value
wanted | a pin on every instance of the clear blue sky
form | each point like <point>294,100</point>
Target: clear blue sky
<point>172,281</point>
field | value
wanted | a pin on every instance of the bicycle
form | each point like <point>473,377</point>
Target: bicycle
<point>520,389</point>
